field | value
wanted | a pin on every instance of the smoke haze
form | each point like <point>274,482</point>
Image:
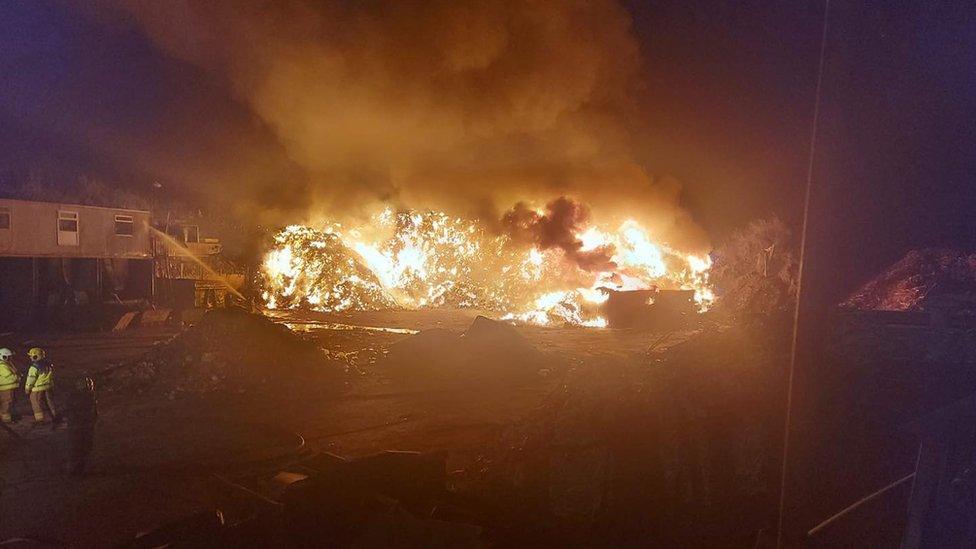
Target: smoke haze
<point>471,107</point>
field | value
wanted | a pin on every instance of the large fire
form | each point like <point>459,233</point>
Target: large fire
<point>419,260</point>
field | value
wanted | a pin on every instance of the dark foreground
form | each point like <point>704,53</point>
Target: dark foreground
<point>161,455</point>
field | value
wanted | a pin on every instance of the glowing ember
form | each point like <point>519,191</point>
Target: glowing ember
<point>418,260</point>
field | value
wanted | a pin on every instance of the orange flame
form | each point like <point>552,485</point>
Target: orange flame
<point>432,259</point>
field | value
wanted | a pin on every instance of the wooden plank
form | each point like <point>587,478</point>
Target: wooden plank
<point>124,322</point>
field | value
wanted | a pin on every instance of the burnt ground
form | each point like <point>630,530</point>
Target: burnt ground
<point>158,457</point>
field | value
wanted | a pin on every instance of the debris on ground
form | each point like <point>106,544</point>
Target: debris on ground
<point>924,280</point>
<point>650,452</point>
<point>389,499</point>
<point>228,350</point>
<point>487,350</point>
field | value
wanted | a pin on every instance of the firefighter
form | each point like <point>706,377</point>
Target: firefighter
<point>9,380</point>
<point>40,381</point>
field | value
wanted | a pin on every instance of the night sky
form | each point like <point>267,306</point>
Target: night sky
<point>729,96</point>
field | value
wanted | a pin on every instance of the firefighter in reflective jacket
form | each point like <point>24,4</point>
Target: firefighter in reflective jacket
<point>9,380</point>
<point>40,381</point>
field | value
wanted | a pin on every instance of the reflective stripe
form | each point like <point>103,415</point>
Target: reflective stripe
<point>8,376</point>
<point>43,382</point>
<point>39,382</point>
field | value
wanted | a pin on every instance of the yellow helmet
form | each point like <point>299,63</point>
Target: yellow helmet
<point>36,353</point>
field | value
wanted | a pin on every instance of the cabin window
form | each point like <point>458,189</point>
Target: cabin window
<point>67,228</point>
<point>124,225</point>
<point>4,218</point>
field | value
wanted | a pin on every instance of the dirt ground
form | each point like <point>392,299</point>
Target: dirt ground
<point>157,459</point>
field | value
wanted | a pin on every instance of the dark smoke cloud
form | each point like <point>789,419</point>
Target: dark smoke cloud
<point>557,227</point>
<point>469,106</point>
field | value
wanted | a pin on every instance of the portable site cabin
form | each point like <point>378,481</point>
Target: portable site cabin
<point>61,254</point>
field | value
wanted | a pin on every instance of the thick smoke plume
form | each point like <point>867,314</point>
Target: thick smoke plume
<point>557,227</point>
<point>467,106</point>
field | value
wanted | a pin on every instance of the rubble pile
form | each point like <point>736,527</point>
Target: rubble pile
<point>487,350</point>
<point>228,350</point>
<point>923,280</point>
<point>652,451</point>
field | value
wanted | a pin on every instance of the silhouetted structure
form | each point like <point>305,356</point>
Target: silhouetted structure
<point>657,309</point>
<point>53,255</point>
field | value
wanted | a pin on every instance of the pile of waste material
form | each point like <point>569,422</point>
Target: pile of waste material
<point>679,448</point>
<point>923,280</point>
<point>228,350</point>
<point>755,270</point>
<point>487,350</point>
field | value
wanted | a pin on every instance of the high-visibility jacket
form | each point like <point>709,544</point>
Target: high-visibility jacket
<point>40,376</point>
<point>9,378</point>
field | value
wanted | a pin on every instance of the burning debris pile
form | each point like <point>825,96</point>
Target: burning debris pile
<point>652,452</point>
<point>548,266</point>
<point>756,269</point>
<point>228,350</point>
<point>332,277</point>
<point>923,280</point>
<point>428,261</point>
<point>487,351</point>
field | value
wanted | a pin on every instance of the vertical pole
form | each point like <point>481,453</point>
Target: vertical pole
<point>788,423</point>
<point>98,279</point>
